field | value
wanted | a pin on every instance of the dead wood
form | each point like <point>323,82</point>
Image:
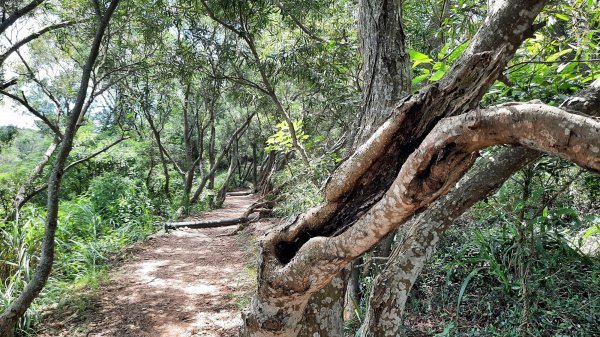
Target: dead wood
<point>264,209</point>
<point>239,193</point>
<point>209,223</point>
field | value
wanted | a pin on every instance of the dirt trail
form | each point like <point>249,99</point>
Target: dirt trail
<point>179,284</point>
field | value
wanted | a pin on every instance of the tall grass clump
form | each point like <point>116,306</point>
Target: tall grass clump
<point>93,227</point>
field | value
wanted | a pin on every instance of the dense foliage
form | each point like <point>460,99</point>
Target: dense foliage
<point>193,98</point>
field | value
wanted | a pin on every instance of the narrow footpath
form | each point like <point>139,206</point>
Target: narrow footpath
<point>179,284</point>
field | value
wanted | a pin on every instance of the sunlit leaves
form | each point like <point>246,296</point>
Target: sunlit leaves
<point>281,140</point>
<point>429,70</point>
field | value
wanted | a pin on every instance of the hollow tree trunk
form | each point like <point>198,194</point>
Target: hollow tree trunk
<point>294,273</point>
<point>17,308</point>
<point>386,76</point>
<point>365,197</point>
<point>392,286</point>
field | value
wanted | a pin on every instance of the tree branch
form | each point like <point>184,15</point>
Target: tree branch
<point>43,187</point>
<point>32,37</point>
<point>441,160</point>
<point>299,24</point>
<point>18,14</point>
<point>34,112</point>
<point>42,86</point>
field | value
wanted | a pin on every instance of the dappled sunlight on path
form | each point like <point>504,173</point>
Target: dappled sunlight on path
<point>183,283</point>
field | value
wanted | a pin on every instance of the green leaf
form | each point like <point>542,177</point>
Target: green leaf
<point>457,52</point>
<point>591,231</point>
<point>566,67</point>
<point>442,69</point>
<point>562,17</point>
<point>443,51</point>
<point>447,330</point>
<point>419,79</point>
<point>418,57</point>
<point>463,286</point>
<point>555,56</point>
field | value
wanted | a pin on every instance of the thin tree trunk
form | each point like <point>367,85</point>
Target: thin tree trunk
<point>214,168</point>
<point>254,168</point>
<point>386,74</point>
<point>211,145</point>
<point>268,88</point>
<point>15,310</point>
<point>223,191</point>
<point>386,67</point>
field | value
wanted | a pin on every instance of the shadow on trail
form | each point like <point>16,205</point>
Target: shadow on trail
<point>183,283</point>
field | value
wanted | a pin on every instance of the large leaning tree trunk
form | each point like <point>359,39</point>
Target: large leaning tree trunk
<point>380,187</point>
<point>392,286</point>
<point>10,317</point>
<point>386,80</point>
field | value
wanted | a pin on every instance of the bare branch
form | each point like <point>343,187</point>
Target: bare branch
<point>34,112</point>
<point>299,23</point>
<point>95,154</point>
<point>32,37</point>
<point>41,85</point>
<point>18,14</point>
<point>43,187</point>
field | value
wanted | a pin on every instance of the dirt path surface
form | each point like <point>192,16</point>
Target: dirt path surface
<point>184,283</point>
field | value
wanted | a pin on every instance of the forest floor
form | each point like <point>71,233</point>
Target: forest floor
<point>188,282</point>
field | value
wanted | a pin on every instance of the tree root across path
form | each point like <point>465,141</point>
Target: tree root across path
<point>188,282</point>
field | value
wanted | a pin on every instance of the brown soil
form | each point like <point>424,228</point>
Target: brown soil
<point>182,283</point>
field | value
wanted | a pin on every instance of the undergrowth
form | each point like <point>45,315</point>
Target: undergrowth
<point>92,228</point>
<point>508,278</point>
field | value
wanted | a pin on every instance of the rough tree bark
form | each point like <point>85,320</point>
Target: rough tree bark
<point>386,77</point>
<point>10,317</point>
<point>386,67</point>
<point>440,161</point>
<point>392,286</point>
<point>324,313</point>
<point>300,258</point>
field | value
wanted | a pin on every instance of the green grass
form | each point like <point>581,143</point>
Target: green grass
<point>86,245</point>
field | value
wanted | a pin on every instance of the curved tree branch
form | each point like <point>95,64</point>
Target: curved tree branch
<point>440,161</point>
<point>392,286</point>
